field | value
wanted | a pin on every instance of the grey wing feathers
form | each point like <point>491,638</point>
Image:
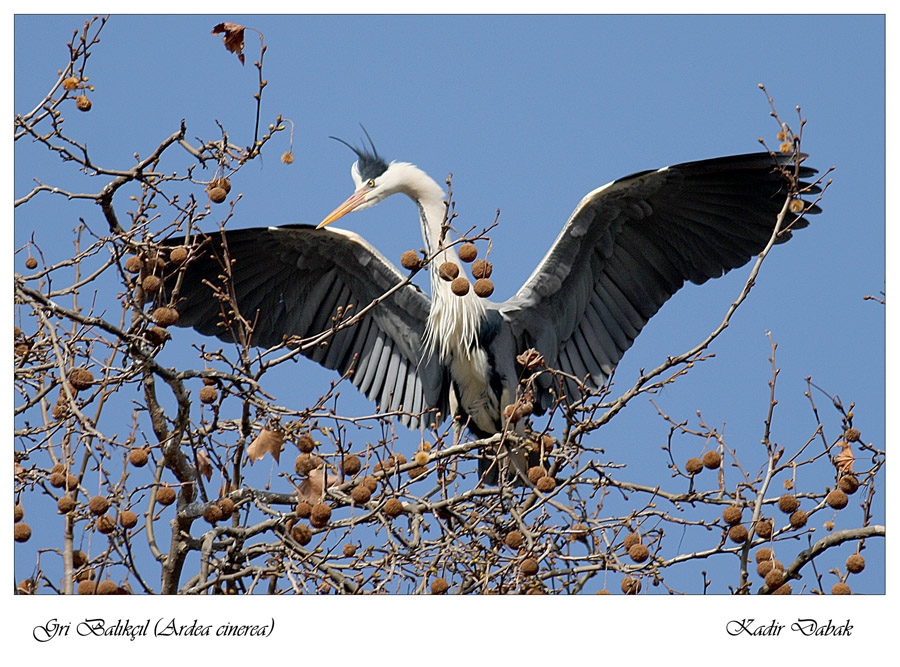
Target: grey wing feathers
<point>291,281</point>
<point>633,243</point>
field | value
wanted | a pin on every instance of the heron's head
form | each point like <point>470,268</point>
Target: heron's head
<point>375,179</point>
<point>370,176</point>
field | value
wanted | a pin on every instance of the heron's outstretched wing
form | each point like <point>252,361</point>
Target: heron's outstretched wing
<point>632,244</point>
<point>291,281</point>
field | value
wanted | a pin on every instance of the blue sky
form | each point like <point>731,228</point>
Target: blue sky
<point>530,114</point>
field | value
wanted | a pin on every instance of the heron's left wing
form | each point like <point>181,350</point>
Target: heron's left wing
<point>297,280</point>
<point>631,244</point>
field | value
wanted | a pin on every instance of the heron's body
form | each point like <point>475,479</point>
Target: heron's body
<point>625,250</point>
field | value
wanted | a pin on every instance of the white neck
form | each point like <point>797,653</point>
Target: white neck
<point>453,321</point>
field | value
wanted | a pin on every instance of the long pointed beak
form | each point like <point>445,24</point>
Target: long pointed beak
<point>353,202</point>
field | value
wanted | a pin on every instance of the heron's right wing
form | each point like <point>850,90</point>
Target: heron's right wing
<point>632,244</point>
<point>292,281</point>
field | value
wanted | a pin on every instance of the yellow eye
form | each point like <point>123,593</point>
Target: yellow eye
<point>371,183</point>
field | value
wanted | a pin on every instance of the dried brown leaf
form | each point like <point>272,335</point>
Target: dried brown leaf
<point>267,442</point>
<point>312,488</point>
<point>844,461</point>
<point>233,38</point>
<point>530,359</point>
<point>204,464</point>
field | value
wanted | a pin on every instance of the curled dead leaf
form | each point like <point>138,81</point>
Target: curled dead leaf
<point>267,442</point>
<point>233,37</point>
<point>531,359</point>
<point>204,464</point>
<point>312,488</point>
<point>844,461</point>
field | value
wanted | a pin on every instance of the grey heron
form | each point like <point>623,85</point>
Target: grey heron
<point>627,247</point>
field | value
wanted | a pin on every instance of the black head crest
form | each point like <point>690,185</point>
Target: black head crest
<point>370,164</point>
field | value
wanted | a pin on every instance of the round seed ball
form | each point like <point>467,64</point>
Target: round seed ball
<point>212,513</point>
<point>98,505</point>
<point>738,534</point>
<point>693,465</point>
<point>306,463</point>
<point>579,531</point>
<point>448,271</point>
<point>784,589</point>
<point>128,519</point>
<point>208,394</point>
<point>302,534</point>
<point>18,513</point>
<point>303,509</point>
<point>349,550</point>
<point>87,587</point>
<point>421,458</point>
<point>178,255</point>
<point>151,284</point>
<point>514,539</point>
<point>361,494</point>
<point>70,83</point>
<point>227,507</point>
<point>133,264</point>
<point>837,499</point>
<point>165,495</point>
<point>460,286</point>
<point>529,567</point>
<point>535,473</point>
<point>546,484</point>
<point>22,532</point>
<point>638,553</point>
<point>31,263</point>
<point>156,335</point>
<point>799,518</point>
<point>439,586</point>
<point>852,435</point>
<point>840,588</point>
<point>764,553</point>
<point>106,524</point>
<point>631,539</point>
<point>788,503</point>
<point>767,566</point>
<point>712,460</point>
<point>65,504</point>
<point>774,579</point>
<point>848,484</point>
<point>468,252</point>
<point>631,586</point>
<point>80,378</point>
<point>138,457</point>
<point>410,260</point>
<point>393,508</point>
<point>733,514</point>
<point>82,103</point>
<point>305,443</point>
<point>351,464</point>
<point>482,269</point>
<point>483,288</point>
<point>370,482</point>
<point>107,587</point>
<point>320,516</point>
<point>221,182</point>
<point>79,558</point>
<point>217,195</point>
<point>856,563</point>
<point>764,528</point>
<point>165,316</point>
<point>417,472</point>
